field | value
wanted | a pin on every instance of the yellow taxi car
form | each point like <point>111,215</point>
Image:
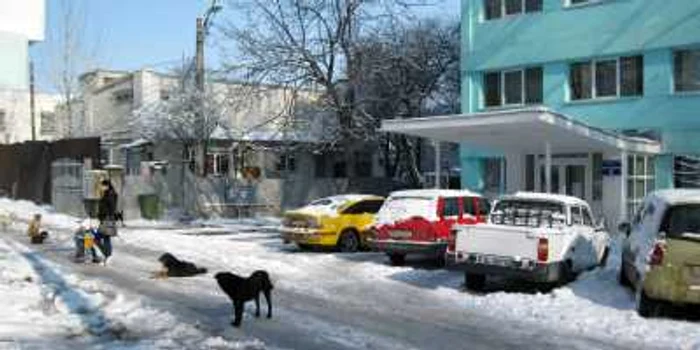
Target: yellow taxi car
<point>340,222</point>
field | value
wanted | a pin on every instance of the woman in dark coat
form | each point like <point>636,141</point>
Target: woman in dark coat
<point>107,214</point>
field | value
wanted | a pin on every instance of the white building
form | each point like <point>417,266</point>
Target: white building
<point>22,25</point>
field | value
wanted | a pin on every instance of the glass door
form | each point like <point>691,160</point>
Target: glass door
<point>568,177</point>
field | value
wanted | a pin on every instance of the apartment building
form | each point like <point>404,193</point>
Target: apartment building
<point>594,98</point>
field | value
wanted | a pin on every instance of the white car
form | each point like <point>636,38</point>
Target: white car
<point>532,236</point>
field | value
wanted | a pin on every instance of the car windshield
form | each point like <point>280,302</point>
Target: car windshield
<point>526,212</point>
<point>405,207</point>
<point>682,220</point>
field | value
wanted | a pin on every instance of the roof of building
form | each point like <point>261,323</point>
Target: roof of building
<point>570,200</point>
<point>678,196</point>
<point>434,193</point>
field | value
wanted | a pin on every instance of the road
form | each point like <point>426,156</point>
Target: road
<point>305,321</point>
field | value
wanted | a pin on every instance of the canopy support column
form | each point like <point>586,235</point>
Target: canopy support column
<point>624,166</point>
<point>438,163</point>
<point>548,166</point>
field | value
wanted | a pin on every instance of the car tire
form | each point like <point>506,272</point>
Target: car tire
<point>304,247</point>
<point>349,242</point>
<point>622,276</point>
<point>648,307</point>
<point>474,281</point>
<point>441,260</point>
<point>604,258</point>
<point>566,274</point>
<point>397,259</point>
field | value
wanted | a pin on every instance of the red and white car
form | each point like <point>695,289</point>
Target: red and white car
<point>420,221</point>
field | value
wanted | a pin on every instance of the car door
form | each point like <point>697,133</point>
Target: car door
<point>600,236</point>
<point>584,252</point>
<point>680,268</point>
<point>361,214</point>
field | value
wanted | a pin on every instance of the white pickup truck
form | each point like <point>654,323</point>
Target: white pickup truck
<point>531,236</point>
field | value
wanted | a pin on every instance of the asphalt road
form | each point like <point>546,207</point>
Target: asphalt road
<point>305,322</point>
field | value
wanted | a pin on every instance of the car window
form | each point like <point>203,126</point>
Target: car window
<point>364,207</point>
<point>519,212</point>
<point>468,203</point>
<point>451,206</point>
<point>587,217</point>
<point>484,206</point>
<point>576,215</point>
<point>681,220</point>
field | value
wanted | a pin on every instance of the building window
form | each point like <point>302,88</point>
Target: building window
<point>164,94</point>
<point>340,169</point>
<point>686,171</point>
<point>494,9</point>
<point>123,96</point>
<point>3,122</point>
<point>217,163</point>
<point>513,88</point>
<point>286,163</point>
<point>581,2</point>
<point>188,157</point>
<point>320,166</point>
<point>363,164</point>
<point>611,78</point>
<point>48,123</point>
<point>641,180</point>
<point>686,70</point>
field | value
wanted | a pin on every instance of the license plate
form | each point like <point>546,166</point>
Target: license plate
<point>497,261</point>
<point>400,234</point>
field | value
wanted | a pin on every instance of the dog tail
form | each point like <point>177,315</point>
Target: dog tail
<point>201,270</point>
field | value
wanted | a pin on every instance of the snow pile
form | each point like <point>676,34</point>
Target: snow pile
<point>594,306</point>
<point>43,306</point>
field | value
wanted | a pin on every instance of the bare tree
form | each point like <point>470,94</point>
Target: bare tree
<point>409,71</point>
<point>70,54</point>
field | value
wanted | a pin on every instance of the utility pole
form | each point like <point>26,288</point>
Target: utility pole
<point>200,162</point>
<point>199,56</point>
<point>32,108</point>
<point>203,24</point>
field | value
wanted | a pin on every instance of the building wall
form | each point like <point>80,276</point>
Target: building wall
<point>560,35</point>
<point>25,17</point>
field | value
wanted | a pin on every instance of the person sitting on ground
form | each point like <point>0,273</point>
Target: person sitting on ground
<point>36,235</point>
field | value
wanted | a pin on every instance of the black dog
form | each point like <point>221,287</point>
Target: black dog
<point>240,290</point>
<point>173,267</point>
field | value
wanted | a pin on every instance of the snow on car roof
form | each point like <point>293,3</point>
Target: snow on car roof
<point>434,193</point>
<point>677,196</point>
<point>347,197</point>
<point>547,197</point>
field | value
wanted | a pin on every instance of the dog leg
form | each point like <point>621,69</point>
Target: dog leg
<point>268,298</point>
<point>238,311</point>
<point>257,305</point>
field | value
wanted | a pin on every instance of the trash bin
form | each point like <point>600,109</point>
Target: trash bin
<point>91,206</point>
<point>150,206</point>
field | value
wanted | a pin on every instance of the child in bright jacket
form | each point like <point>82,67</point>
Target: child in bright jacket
<point>36,235</point>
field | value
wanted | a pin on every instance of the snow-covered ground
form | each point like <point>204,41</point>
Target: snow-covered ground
<point>593,312</point>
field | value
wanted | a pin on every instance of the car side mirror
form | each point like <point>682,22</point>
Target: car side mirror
<point>625,228</point>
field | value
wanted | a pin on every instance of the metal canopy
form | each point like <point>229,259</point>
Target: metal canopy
<point>521,131</point>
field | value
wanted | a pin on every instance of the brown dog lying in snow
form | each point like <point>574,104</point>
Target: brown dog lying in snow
<point>240,290</point>
<point>173,267</point>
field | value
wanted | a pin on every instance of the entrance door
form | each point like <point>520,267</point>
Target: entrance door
<point>569,177</point>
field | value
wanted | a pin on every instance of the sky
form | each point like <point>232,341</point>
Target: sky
<point>134,34</point>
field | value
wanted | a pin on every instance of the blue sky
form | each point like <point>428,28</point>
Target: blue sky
<point>131,34</point>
